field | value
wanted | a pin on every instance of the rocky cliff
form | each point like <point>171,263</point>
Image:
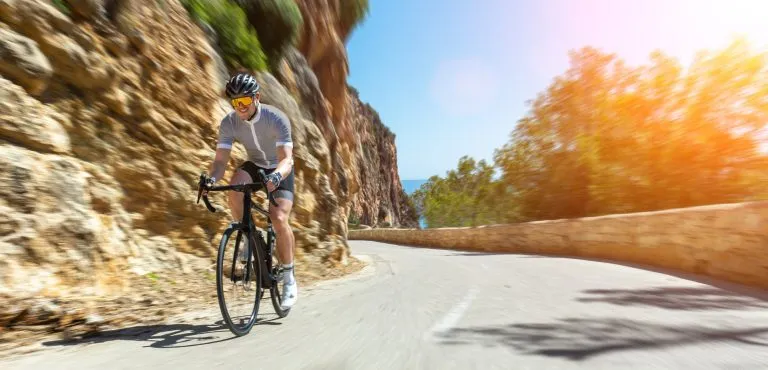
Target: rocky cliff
<point>365,145</point>
<point>109,112</point>
<point>381,200</point>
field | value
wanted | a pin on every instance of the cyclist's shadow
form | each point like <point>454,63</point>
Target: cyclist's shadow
<point>162,336</point>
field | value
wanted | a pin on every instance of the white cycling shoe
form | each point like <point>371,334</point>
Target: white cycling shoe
<point>290,291</point>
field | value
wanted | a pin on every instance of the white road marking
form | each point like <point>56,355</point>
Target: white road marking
<point>453,316</point>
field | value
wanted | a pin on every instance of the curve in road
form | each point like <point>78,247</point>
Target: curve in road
<point>420,308</point>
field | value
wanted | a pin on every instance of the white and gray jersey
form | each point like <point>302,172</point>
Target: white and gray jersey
<point>269,129</point>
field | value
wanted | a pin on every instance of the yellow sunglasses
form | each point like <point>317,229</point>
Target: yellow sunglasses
<point>245,100</point>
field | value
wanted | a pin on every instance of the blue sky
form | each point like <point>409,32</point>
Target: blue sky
<point>451,78</point>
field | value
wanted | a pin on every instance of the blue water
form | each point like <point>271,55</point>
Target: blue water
<point>409,186</point>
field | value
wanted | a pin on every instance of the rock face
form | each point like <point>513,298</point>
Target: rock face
<point>366,146</point>
<point>99,150</point>
<point>381,199</point>
<point>107,119</point>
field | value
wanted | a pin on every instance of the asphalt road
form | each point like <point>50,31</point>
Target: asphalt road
<point>436,309</point>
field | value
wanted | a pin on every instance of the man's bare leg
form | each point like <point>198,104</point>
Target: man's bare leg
<point>285,244</point>
<point>235,199</point>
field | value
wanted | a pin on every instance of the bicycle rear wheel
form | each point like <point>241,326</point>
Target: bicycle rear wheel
<point>238,284</point>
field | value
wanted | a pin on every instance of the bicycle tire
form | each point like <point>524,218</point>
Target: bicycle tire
<point>255,273</point>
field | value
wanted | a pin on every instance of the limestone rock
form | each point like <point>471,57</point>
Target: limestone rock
<point>323,47</point>
<point>88,9</point>
<point>101,164</point>
<point>23,63</point>
<point>75,65</point>
<point>33,18</point>
<point>25,121</point>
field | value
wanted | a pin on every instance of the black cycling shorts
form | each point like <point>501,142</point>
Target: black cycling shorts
<point>284,190</point>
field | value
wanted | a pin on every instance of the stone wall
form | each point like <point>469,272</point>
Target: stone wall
<point>726,241</point>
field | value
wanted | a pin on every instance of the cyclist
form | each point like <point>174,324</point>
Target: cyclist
<point>265,132</point>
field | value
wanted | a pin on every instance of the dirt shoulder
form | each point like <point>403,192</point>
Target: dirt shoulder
<point>154,299</point>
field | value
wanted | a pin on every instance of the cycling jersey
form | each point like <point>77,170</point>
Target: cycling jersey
<point>267,130</point>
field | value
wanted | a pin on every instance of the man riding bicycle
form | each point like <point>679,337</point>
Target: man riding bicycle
<point>265,132</point>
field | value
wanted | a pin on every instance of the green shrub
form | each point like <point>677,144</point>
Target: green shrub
<point>353,219</point>
<point>237,39</point>
<point>351,13</point>
<point>278,23</point>
<point>62,6</point>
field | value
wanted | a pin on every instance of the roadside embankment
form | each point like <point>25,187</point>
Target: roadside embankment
<point>726,241</point>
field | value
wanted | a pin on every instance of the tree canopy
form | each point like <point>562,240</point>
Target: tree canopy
<point>606,137</point>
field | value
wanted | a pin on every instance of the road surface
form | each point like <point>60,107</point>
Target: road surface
<point>437,309</point>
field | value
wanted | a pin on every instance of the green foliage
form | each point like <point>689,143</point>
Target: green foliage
<point>609,138</point>
<point>354,219</point>
<point>236,38</point>
<point>351,14</point>
<point>62,6</point>
<point>409,207</point>
<point>465,197</point>
<point>278,23</point>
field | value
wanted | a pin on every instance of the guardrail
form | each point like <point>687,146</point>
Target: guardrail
<point>726,241</point>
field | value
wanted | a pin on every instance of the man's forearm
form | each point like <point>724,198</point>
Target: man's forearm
<point>217,169</point>
<point>285,167</point>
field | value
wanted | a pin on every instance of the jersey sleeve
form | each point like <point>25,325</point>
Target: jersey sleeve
<point>226,134</point>
<point>283,128</point>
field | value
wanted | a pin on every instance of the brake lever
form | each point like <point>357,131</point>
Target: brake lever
<point>200,187</point>
<point>208,204</point>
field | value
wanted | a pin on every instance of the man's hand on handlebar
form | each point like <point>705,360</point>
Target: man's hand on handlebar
<point>209,182</point>
<point>206,184</point>
<point>273,181</point>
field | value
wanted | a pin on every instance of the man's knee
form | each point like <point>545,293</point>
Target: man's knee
<point>280,218</point>
<point>280,215</point>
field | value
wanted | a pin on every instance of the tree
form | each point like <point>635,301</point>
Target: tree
<point>606,137</point>
<point>465,197</point>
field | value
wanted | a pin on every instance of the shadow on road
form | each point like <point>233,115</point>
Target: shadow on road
<point>579,339</point>
<point>162,336</point>
<point>678,298</point>
<point>736,288</point>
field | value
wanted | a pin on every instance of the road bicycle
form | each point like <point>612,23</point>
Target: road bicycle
<point>255,277</point>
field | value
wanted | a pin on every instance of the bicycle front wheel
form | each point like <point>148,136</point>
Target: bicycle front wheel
<point>238,281</point>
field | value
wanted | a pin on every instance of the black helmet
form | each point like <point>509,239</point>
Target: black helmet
<point>242,84</point>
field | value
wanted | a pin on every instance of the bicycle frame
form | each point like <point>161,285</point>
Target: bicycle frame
<point>246,223</point>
